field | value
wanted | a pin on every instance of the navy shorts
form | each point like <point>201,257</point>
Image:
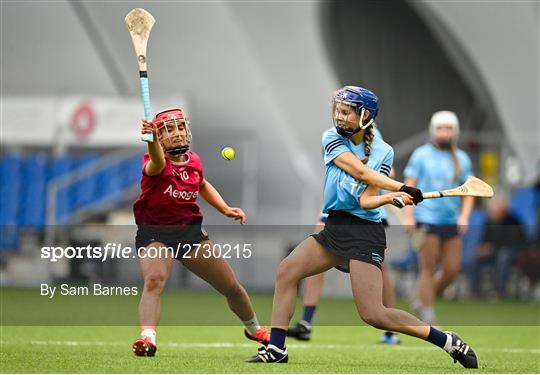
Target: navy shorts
<point>351,237</point>
<point>443,231</point>
<point>181,239</point>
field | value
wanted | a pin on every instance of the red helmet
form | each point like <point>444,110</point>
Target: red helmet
<point>176,116</point>
<point>168,114</point>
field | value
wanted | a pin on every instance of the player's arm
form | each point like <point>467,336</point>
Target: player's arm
<point>353,166</point>
<point>369,199</point>
<point>467,205</point>
<point>212,196</point>
<point>335,151</point>
<point>157,158</point>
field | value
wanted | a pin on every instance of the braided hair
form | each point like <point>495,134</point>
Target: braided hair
<point>455,159</point>
<point>368,138</point>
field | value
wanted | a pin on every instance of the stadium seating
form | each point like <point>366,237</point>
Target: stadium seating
<point>10,189</point>
<point>34,188</point>
<point>25,179</point>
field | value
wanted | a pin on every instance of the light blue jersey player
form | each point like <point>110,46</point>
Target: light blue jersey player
<point>324,215</point>
<point>353,235</point>
<point>433,169</point>
<point>313,287</point>
<point>436,166</point>
<point>342,191</point>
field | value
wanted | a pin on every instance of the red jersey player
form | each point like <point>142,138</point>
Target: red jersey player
<point>167,215</point>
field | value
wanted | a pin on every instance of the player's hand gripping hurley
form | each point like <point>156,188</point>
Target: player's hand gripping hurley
<point>139,23</point>
<point>473,187</point>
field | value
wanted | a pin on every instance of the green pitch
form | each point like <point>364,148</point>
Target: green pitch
<point>221,348</point>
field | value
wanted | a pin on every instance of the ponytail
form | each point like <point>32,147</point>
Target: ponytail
<point>455,159</point>
<point>368,138</point>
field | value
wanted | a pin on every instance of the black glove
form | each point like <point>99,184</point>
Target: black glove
<point>415,193</point>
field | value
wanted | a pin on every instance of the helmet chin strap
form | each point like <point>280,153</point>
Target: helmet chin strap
<point>346,132</point>
<point>364,126</point>
<point>177,150</point>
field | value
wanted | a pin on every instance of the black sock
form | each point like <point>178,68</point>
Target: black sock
<point>309,311</point>
<point>437,337</point>
<point>277,337</point>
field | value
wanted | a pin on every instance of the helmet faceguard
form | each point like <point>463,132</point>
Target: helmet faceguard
<point>173,131</point>
<point>361,100</point>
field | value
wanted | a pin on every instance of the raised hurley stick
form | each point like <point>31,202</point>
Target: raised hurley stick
<point>139,23</point>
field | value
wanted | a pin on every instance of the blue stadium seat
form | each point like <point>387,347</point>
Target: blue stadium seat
<point>61,165</point>
<point>34,181</point>
<point>11,166</point>
<point>84,190</point>
<point>131,171</point>
<point>10,191</point>
<point>24,189</point>
<point>115,180</point>
<point>108,184</point>
<point>134,169</point>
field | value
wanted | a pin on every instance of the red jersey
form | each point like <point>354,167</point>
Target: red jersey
<point>170,198</point>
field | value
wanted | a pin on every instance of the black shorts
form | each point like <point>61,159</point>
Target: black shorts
<point>443,231</point>
<point>182,239</point>
<point>351,237</point>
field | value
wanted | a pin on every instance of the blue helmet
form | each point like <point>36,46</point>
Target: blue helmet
<point>359,98</point>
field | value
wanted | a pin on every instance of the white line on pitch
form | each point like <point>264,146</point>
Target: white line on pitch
<point>247,345</point>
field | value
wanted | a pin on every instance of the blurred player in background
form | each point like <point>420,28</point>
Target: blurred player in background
<point>167,215</point>
<point>313,287</point>
<point>353,235</point>
<point>503,240</point>
<point>437,166</point>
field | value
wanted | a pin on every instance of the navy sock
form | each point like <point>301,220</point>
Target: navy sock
<point>309,311</point>
<point>437,337</point>
<point>277,337</point>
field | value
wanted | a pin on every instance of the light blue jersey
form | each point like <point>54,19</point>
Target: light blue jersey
<point>342,191</point>
<point>381,192</point>
<point>433,170</point>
